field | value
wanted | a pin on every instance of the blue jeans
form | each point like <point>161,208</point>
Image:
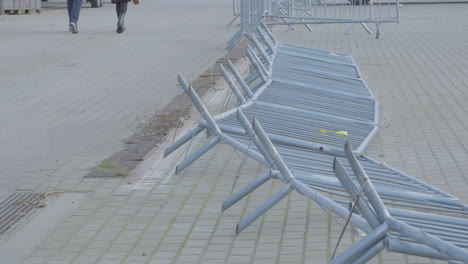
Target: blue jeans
<point>74,7</point>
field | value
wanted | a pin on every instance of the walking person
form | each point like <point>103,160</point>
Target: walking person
<point>74,8</point>
<point>121,9</point>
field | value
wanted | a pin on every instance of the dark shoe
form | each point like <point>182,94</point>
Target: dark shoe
<point>120,24</point>
<point>73,28</point>
<point>120,28</point>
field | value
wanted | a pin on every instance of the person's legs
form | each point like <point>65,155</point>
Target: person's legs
<point>121,9</point>
<point>69,7</point>
<point>74,8</point>
<point>117,9</point>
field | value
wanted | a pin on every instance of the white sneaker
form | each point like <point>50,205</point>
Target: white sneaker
<point>73,28</point>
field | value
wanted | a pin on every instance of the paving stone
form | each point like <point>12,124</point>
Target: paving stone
<point>415,69</point>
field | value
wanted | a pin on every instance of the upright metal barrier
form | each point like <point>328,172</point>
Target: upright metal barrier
<point>251,14</point>
<point>354,12</point>
<point>334,11</point>
<point>312,102</point>
<point>236,11</point>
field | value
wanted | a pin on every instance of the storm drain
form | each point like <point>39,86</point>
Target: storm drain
<point>15,207</point>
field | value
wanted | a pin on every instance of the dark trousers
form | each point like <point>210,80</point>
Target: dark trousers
<point>121,8</point>
<point>74,7</point>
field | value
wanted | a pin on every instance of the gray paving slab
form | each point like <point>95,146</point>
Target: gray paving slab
<point>67,101</point>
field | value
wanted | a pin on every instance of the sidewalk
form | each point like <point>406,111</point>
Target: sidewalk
<point>416,69</point>
<point>67,101</point>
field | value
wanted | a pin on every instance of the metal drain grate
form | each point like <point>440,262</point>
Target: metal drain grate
<point>15,207</point>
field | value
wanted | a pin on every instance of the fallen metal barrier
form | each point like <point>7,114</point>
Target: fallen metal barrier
<point>426,235</point>
<point>397,230</point>
<point>312,102</point>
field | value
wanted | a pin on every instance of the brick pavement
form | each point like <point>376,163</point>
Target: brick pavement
<point>67,101</point>
<point>418,72</point>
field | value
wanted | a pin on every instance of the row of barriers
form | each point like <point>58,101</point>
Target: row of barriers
<point>15,6</point>
<point>307,115</point>
<point>305,12</point>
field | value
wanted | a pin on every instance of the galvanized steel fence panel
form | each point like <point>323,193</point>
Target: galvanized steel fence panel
<point>338,108</point>
<point>323,129</point>
<point>310,114</point>
<point>314,169</point>
<point>329,11</point>
<point>291,12</point>
<point>319,100</point>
